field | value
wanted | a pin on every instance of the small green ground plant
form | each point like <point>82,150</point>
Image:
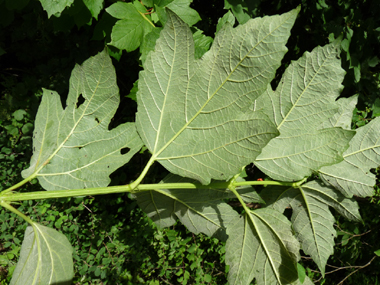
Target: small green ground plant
<point>204,117</point>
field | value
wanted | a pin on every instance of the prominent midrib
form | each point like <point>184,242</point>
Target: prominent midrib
<point>299,98</point>
<point>156,154</point>
<point>72,129</point>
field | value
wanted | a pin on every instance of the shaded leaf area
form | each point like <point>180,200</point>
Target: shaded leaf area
<point>200,210</point>
<point>191,112</point>
<point>55,7</point>
<point>311,217</point>
<point>302,102</point>
<point>45,258</point>
<point>72,147</point>
<point>352,176</point>
<point>261,245</point>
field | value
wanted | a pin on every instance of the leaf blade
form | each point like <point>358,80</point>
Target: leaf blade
<point>71,144</point>
<point>250,249</point>
<point>45,258</point>
<point>175,113</point>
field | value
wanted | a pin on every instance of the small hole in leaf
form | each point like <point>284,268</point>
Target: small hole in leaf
<point>79,147</point>
<point>108,166</point>
<point>80,100</point>
<point>97,120</point>
<point>124,150</point>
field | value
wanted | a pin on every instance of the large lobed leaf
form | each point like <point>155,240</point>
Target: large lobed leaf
<point>352,176</point>
<point>261,245</point>
<point>72,147</point>
<point>45,258</point>
<point>311,218</point>
<point>302,103</point>
<point>191,112</point>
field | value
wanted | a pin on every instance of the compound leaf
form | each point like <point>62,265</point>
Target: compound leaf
<point>190,111</point>
<point>311,218</point>
<point>261,245</point>
<point>45,258</point>
<point>352,176</point>
<point>72,147</point>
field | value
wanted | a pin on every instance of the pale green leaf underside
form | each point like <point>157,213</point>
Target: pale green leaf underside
<point>45,258</point>
<point>261,246</point>
<point>343,117</point>
<point>302,103</point>
<point>298,156</point>
<point>200,210</point>
<point>352,176</point>
<point>305,97</point>
<point>311,218</point>
<point>190,111</point>
<point>72,147</point>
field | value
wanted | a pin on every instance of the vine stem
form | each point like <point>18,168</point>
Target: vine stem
<point>134,187</point>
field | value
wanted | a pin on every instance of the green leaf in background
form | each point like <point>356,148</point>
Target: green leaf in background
<point>301,273</point>
<point>377,252</point>
<point>201,43</point>
<point>55,7</point>
<point>227,18</point>
<point>302,102</point>
<point>239,8</point>
<point>129,31</point>
<point>261,245</point>
<point>72,147</point>
<point>190,111</point>
<point>149,42</point>
<point>95,6</point>
<point>352,176</point>
<point>311,217</point>
<point>45,258</point>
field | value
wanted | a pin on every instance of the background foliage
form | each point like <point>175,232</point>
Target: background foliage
<point>39,49</point>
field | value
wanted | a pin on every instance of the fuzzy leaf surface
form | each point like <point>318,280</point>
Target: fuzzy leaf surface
<point>352,176</point>
<point>311,217</point>
<point>200,210</point>
<point>261,245</point>
<point>305,96</point>
<point>302,102</point>
<point>190,111</point>
<point>298,156</point>
<point>342,118</point>
<point>45,258</point>
<point>72,147</point>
